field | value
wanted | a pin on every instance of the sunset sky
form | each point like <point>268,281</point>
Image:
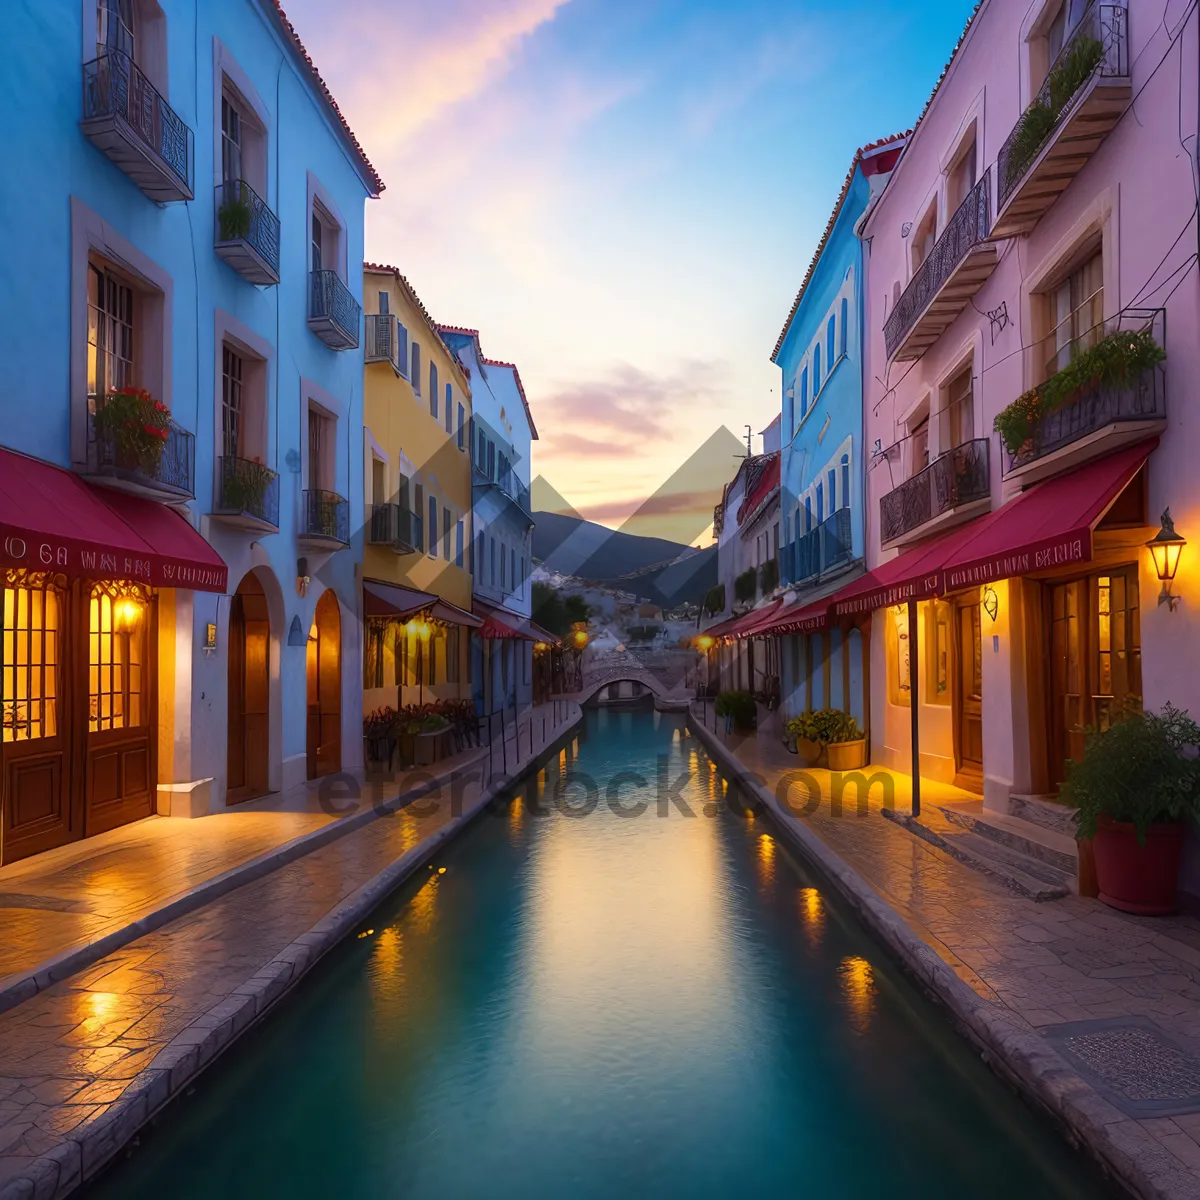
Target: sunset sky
<point>621,195</point>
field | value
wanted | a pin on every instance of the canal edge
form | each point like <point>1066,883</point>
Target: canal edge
<point>92,1146</point>
<point>1025,1061</point>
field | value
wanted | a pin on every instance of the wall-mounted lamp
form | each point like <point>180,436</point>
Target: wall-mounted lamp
<point>704,643</point>
<point>1165,548</point>
<point>126,614</point>
<point>990,601</point>
<point>302,577</point>
<point>580,639</point>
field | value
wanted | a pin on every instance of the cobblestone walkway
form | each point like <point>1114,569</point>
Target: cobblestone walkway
<point>84,1062</point>
<point>1044,964</point>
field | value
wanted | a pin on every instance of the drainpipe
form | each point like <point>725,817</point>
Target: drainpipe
<point>914,699</point>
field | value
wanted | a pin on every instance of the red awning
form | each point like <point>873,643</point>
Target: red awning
<point>721,628</point>
<point>1048,526</point>
<point>500,623</point>
<point>389,600</point>
<point>52,520</point>
<point>750,624</point>
<point>799,618</point>
<point>544,635</point>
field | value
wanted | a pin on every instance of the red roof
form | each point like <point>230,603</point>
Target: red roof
<point>52,520</point>
<point>763,486</point>
<point>323,88</point>
<point>496,362</point>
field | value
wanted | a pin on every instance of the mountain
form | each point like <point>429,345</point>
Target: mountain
<point>664,572</point>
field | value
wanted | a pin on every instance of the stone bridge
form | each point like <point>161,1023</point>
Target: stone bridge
<point>606,671</point>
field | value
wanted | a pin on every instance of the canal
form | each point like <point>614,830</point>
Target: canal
<point>594,1004</point>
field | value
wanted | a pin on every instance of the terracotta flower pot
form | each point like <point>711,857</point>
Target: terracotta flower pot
<point>811,752</point>
<point>847,756</point>
<point>1134,878</point>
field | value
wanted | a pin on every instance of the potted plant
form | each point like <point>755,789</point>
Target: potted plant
<point>431,728</point>
<point>738,708</point>
<point>233,217</point>
<point>136,427</point>
<point>245,488</point>
<point>829,737</point>
<point>379,730</point>
<point>1135,786</point>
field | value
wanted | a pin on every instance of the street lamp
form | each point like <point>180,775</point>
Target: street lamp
<point>1165,548</point>
<point>704,643</point>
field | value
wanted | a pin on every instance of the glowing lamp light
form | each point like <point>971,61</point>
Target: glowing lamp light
<point>126,613</point>
<point>704,643</point>
<point>540,646</point>
<point>991,602</point>
<point>1165,548</point>
<point>581,639</point>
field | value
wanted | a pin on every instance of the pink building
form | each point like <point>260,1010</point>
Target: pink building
<point>1046,201</point>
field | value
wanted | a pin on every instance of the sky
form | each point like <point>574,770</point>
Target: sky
<point>622,196</point>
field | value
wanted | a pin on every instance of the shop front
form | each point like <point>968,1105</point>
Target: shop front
<point>83,570</point>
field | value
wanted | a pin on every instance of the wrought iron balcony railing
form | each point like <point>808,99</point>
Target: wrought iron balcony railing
<point>395,526</point>
<point>1132,405</point>
<point>247,232</point>
<point>163,470</point>
<point>381,338</point>
<point>325,517</point>
<point>1097,47</point>
<point>821,549</point>
<point>248,491</point>
<point>127,118</point>
<point>967,228</point>
<point>958,477</point>
<point>333,313</point>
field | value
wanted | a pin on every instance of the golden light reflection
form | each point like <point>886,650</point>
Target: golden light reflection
<point>812,915</point>
<point>423,906</point>
<point>102,1005</point>
<point>766,860</point>
<point>858,986</point>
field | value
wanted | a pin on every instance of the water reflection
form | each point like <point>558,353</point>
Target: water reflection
<point>858,987</point>
<point>812,915</point>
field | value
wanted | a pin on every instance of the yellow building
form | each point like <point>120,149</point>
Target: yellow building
<point>417,475</point>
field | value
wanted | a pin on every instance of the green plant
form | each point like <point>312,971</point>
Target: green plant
<point>381,723</point>
<point>714,599</point>
<point>736,704</point>
<point>1069,73</point>
<point>1142,769</point>
<point>825,726</point>
<point>245,487</point>
<point>745,586</point>
<point>233,217</point>
<point>136,426</point>
<point>768,576</point>
<point>1112,362</point>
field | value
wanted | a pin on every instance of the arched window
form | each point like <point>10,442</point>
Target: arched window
<point>845,481</point>
<point>831,341</point>
<point>803,393</point>
<point>845,322</point>
<point>816,370</point>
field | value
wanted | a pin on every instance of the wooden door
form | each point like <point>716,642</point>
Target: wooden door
<point>35,717</point>
<point>249,693</point>
<point>119,772</point>
<point>325,689</point>
<point>968,697</point>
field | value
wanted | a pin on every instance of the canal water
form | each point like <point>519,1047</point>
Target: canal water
<point>589,1004</point>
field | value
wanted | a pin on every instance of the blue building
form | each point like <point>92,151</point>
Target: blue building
<point>183,418</point>
<point>502,437</point>
<point>819,353</point>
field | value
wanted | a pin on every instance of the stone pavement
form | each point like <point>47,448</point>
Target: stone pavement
<point>66,907</point>
<point>1040,966</point>
<point>84,1063</point>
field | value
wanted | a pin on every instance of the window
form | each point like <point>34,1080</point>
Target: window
<point>433,390</point>
<point>449,409</point>
<point>820,503</point>
<point>924,238</point>
<point>831,341</point>
<point>116,659</point>
<point>462,416</point>
<point>458,545</point>
<point>447,528</point>
<point>938,615</point>
<point>318,238</point>
<point>480,557</point>
<point>899,676</point>
<point>961,178</point>
<point>491,461</point>
<point>29,667</point>
<point>402,350</point>
<point>115,20</point>
<point>503,581</point>
<point>808,514</point>
<point>453,654</point>
<point>110,334</point>
<point>231,403</point>
<point>831,484</point>
<point>492,551</point>
<point>384,304</point>
<point>845,481</point>
<point>512,572</point>
<point>803,393</point>
<point>919,446</point>
<point>433,536</point>
<point>816,371</point>
<point>231,140</point>
<point>481,459</point>
<point>378,480</point>
<point>1073,315</point>
<point>958,417</point>
<point>415,373</point>
<point>419,508</point>
<point>845,324</point>
<point>321,433</point>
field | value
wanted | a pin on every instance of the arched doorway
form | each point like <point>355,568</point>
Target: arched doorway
<point>249,708</point>
<point>325,688</point>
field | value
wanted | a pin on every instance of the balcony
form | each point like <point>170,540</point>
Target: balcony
<point>395,527</point>
<point>333,313</point>
<point>957,266</point>
<point>1087,89</point>
<point>324,520</point>
<point>380,338</point>
<point>821,550</point>
<point>510,492</point>
<point>247,232</point>
<point>1112,394</point>
<point>247,495</point>
<point>159,467</point>
<point>126,118</point>
<point>955,487</point>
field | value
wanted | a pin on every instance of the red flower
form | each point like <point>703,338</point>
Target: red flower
<point>159,406</point>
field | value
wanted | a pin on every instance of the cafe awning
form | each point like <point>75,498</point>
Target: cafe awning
<point>390,600</point>
<point>52,520</point>
<point>798,618</point>
<point>751,625</point>
<point>500,624</point>
<point>544,635</point>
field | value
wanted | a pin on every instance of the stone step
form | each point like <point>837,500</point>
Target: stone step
<point>1027,877</point>
<point>1032,841</point>
<point>1044,811</point>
